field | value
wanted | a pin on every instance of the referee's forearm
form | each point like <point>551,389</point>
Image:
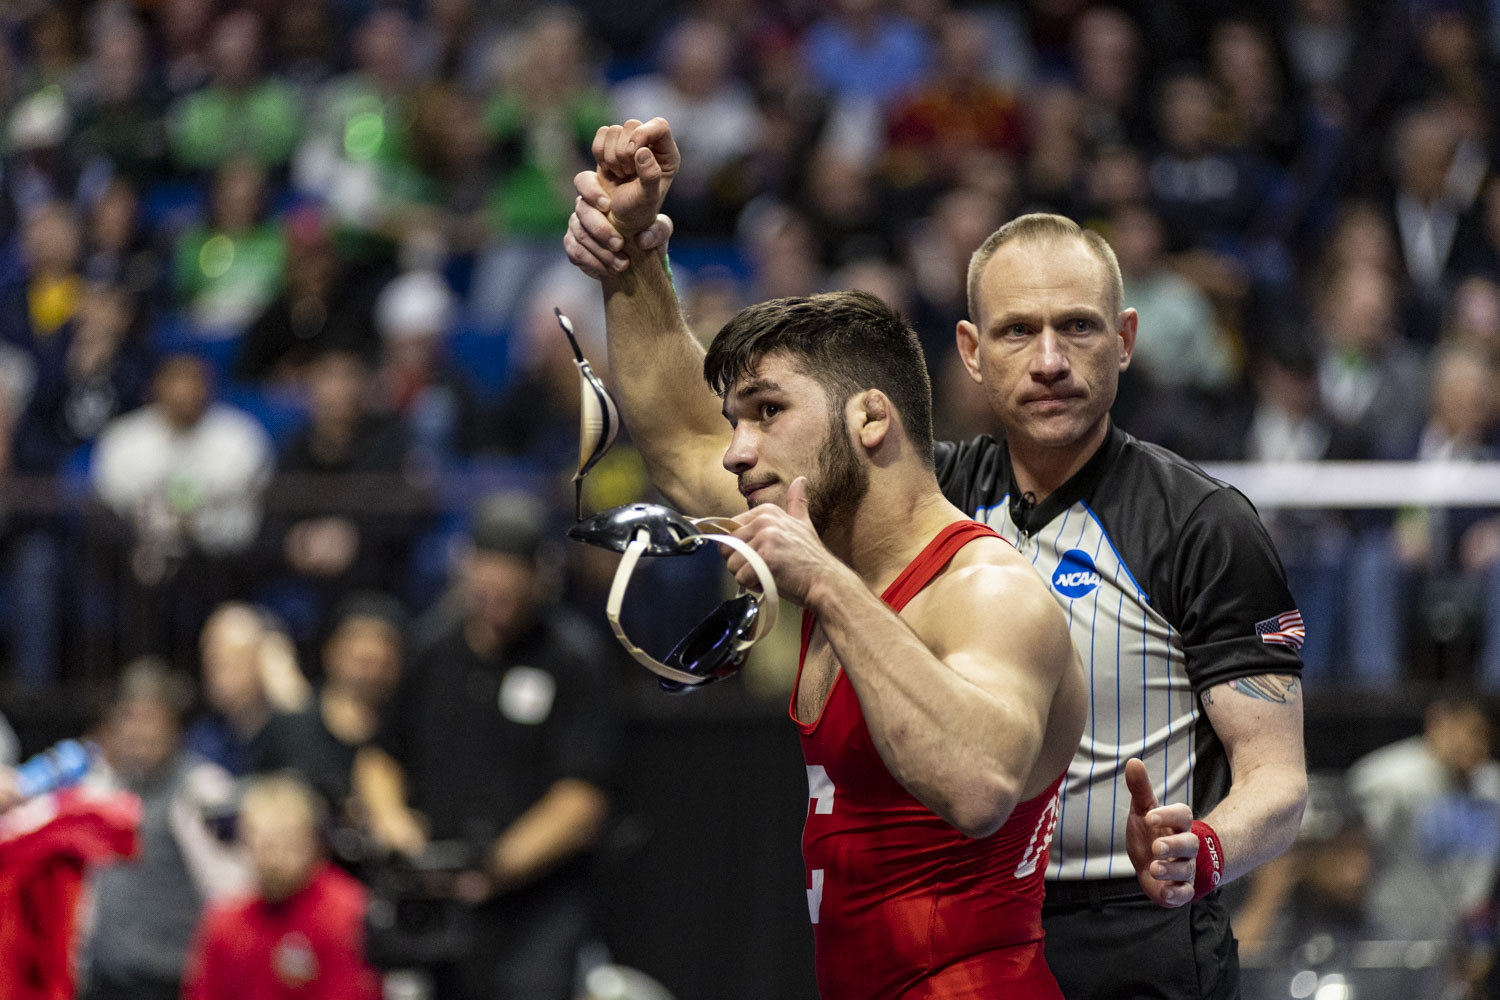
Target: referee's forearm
<point>1259,818</point>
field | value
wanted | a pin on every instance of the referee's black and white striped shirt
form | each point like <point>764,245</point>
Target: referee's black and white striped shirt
<point>1164,574</point>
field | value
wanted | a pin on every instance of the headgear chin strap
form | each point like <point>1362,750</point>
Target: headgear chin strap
<point>716,647</point>
<point>600,417</point>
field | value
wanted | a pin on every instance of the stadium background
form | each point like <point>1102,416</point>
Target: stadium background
<point>1301,194</point>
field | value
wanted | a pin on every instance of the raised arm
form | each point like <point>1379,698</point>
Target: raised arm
<point>656,365</point>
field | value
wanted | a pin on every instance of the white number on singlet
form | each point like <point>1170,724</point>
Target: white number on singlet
<point>820,790</point>
<point>1040,838</point>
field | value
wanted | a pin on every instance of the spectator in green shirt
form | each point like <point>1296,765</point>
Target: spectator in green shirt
<point>228,271</point>
<point>241,113</point>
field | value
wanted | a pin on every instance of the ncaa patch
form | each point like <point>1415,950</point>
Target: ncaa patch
<point>1075,574</point>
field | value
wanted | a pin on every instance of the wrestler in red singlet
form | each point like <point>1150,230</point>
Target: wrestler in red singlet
<point>902,904</point>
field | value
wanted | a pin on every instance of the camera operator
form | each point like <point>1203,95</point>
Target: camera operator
<point>502,734</point>
<point>300,935</point>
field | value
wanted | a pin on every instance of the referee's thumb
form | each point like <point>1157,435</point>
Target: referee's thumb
<point>1142,795</point>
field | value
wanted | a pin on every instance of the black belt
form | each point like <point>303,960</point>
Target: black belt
<point>1093,893</point>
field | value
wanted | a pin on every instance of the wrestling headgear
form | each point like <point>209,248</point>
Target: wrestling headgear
<point>716,647</point>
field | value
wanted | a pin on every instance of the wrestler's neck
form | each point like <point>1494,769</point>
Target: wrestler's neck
<point>891,526</point>
<point>1041,468</point>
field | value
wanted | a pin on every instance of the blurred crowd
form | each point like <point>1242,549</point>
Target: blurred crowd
<point>278,279</point>
<point>279,276</point>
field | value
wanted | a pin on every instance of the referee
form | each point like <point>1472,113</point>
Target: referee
<point>1175,598</point>
<point>1178,607</point>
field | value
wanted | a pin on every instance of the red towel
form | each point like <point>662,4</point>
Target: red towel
<point>41,875</point>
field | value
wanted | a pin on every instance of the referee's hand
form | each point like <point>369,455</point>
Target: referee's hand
<point>1159,841</point>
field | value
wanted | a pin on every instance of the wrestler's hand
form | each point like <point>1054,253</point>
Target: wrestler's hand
<point>1159,840</point>
<point>636,166</point>
<point>592,243</point>
<point>788,542</point>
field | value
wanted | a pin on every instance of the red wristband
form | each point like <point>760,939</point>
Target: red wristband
<point>1210,860</point>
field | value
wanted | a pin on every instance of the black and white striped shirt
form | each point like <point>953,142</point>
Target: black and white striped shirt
<point>1164,574</point>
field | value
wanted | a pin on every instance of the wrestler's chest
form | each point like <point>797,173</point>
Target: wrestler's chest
<point>820,670</point>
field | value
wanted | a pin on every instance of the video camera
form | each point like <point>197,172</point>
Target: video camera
<point>414,918</point>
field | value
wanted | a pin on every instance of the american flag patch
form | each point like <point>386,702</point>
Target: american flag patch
<point>1285,629</point>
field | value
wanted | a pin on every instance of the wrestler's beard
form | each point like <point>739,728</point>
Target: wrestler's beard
<point>841,482</point>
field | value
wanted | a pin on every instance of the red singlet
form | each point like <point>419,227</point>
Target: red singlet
<point>902,904</point>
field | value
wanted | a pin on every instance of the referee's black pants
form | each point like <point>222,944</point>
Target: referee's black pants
<point>1122,946</point>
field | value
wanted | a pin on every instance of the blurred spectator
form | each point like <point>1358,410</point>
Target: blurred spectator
<point>414,315</point>
<point>1206,190</point>
<point>1257,114</point>
<point>356,156</point>
<point>1370,378</point>
<point>92,371</point>
<point>121,119</point>
<point>1106,50</point>
<point>323,305</point>
<point>301,933</point>
<point>86,375</point>
<point>542,124</point>
<point>1362,237</point>
<point>1450,557</point>
<point>782,247</point>
<point>40,164</point>
<point>51,285</point>
<point>186,29</point>
<point>180,482</point>
<point>1288,423</point>
<point>455,42</point>
<point>517,691</point>
<point>307,39</point>
<point>1431,804</point>
<point>451,144</point>
<point>342,512</point>
<point>243,113</point>
<point>249,672</point>
<point>117,248</point>
<point>719,122</point>
<point>361,666</point>
<point>1054,158</point>
<point>961,111</point>
<point>1180,344</point>
<point>937,255</point>
<point>228,271</point>
<point>1473,320</point>
<point>1114,178</point>
<point>1320,39</point>
<point>863,50</point>
<point>1430,209</point>
<point>52,38</point>
<point>844,202</point>
<point>144,913</point>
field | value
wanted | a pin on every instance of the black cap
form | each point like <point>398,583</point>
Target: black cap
<point>512,523</point>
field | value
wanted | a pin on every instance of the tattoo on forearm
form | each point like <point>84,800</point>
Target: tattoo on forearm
<point>1278,688</point>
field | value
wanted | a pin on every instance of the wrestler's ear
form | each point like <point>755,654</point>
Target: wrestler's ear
<point>871,417</point>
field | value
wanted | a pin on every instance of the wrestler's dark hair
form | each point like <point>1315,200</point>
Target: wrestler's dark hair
<point>845,341</point>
